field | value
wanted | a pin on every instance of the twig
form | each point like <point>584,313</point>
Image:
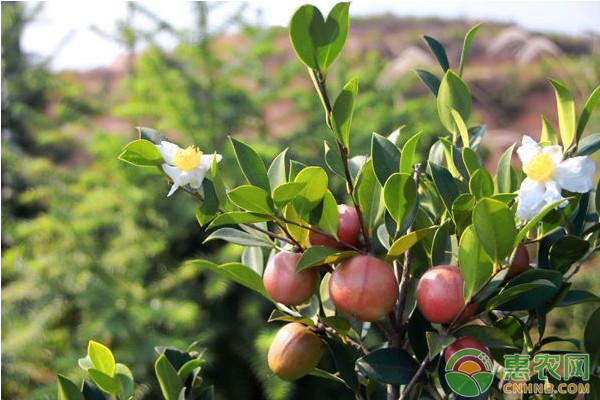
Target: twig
<point>414,379</point>
<point>320,232</point>
<point>289,235</point>
<point>358,346</point>
<point>580,263</point>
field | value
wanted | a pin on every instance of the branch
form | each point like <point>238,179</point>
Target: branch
<point>414,379</point>
<point>358,346</point>
<point>580,263</point>
<point>320,232</point>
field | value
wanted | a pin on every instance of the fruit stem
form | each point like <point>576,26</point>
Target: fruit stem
<point>321,327</point>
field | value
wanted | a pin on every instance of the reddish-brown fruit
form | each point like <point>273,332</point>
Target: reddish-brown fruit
<point>465,343</point>
<point>294,352</point>
<point>284,285</point>
<point>364,288</point>
<point>348,229</point>
<point>440,293</point>
<point>519,262</point>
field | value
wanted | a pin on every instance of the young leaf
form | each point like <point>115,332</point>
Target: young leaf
<point>341,114</point>
<point>386,157</point>
<point>470,160</point>
<point>475,264</point>
<point>587,111</point>
<point>252,257</point>
<point>504,181</point>
<point>276,172</point>
<point>438,51</point>
<point>252,198</point>
<point>399,194</point>
<point>125,377</point>
<point>462,128</point>
<point>525,296</point>
<point>466,46</point>
<point>105,382</point>
<point>286,192</point>
<point>430,80</point>
<point>141,153</point>
<point>251,164</point>
<point>317,41</point>
<point>495,227</point>
<point>326,215</point>
<point>408,154</point>
<point>548,133</point>
<point>319,255</point>
<point>169,381</point>
<point>237,217</point>
<point>151,135</point>
<point>407,241</point>
<point>316,181</point>
<point>333,159</point>
<point>453,94</point>
<point>101,357</point>
<point>566,113</point>
<point>481,184</point>
<point>67,390</point>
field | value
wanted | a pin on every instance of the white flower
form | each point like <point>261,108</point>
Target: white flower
<point>185,166</point>
<point>547,174</point>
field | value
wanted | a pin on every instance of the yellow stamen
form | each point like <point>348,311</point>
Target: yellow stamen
<point>541,168</point>
<point>187,159</point>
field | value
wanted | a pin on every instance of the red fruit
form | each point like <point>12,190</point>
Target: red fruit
<point>364,288</point>
<point>440,293</point>
<point>294,352</point>
<point>348,229</point>
<point>519,262</point>
<point>464,343</point>
<point>284,285</point>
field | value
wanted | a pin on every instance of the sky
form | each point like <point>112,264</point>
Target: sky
<point>65,25</point>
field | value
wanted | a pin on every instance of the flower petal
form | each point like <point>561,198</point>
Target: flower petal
<point>555,152</point>
<point>576,174</point>
<point>207,160</point>
<point>178,176</point>
<point>167,150</point>
<point>197,176</point>
<point>552,193</point>
<point>528,150</point>
<point>530,198</point>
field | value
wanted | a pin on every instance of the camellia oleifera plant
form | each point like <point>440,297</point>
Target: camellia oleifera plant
<point>419,260</point>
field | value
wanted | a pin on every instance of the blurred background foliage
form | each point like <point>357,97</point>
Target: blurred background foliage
<point>92,248</point>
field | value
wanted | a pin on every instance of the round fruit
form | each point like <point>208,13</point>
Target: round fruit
<point>464,343</point>
<point>364,288</point>
<point>284,285</point>
<point>520,261</point>
<point>440,293</point>
<point>348,229</point>
<point>294,352</point>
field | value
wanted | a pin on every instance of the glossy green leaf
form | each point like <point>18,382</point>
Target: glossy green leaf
<point>438,51</point>
<point>67,390</point>
<point>590,339</point>
<point>481,184</point>
<point>125,377</point>
<point>341,114</point>
<point>504,181</point>
<point>576,296</point>
<point>408,154</point>
<point>188,368</point>
<point>386,157</point>
<point>565,106</point>
<point>488,335</point>
<point>326,214</point>
<point>320,373</point>
<point>441,246</point>
<point>407,241</point>
<point>286,192</point>
<point>495,227</point>
<point>105,382</point>
<point>430,80</point>
<point>295,168</point>
<point>460,125</point>
<point>525,296</point>
<point>316,41</point>
<point>475,265</point>
<point>588,107</point>
<point>237,217</point>
<point>101,357</point>
<point>466,47</point>
<point>400,194</point>
<point>236,272</point>
<point>369,196</point>
<point>276,173</point>
<point>210,204</point>
<point>237,236</point>
<point>141,153</point>
<point>548,134</point>
<point>169,381</point>
<point>251,164</point>
<point>252,257</point>
<point>388,365</point>
<point>319,255</point>
<point>277,315</point>
<point>316,181</point>
<point>589,145</point>
<point>470,160</point>
<point>453,94</point>
<point>462,210</point>
<point>566,251</point>
<point>445,184</point>
<point>252,198</point>
<point>333,159</point>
